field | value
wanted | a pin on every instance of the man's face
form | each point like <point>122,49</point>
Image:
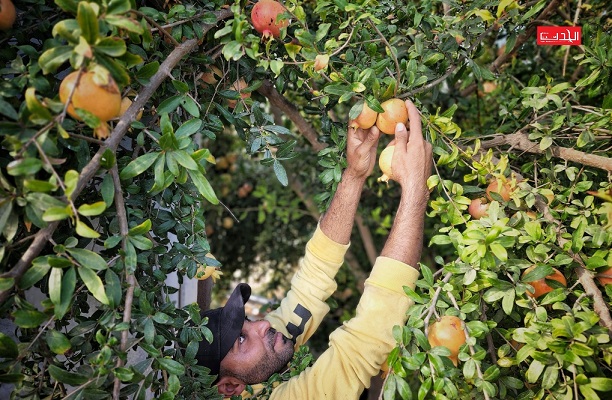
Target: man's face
<point>259,352</point>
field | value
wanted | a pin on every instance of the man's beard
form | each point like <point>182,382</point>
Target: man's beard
<point>273,361</point>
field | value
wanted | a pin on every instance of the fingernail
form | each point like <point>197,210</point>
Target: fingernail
<point>400,126</point>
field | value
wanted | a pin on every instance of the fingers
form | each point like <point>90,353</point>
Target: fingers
<point>415,121</point>
<point>401,138</point>
<point>373,134</point>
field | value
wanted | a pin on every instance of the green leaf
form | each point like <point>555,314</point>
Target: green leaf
<point>499,251</point>
<point>601,384</point>
<point>141,242</point>
<point>203,186</point>
<point>188,128</point>
<point>57,213</point>
<point>508,301</point>
<point>190,106</point>
<point>82,229</point>
<point>173,367</point>
<point>68,287</point>
<point>58,342</point>
<point>184,158</point>
<point>113,287</point>
<point>125,23</point>
<point>107,189</point>
<point>55,285</point>
<point>124,374</point>
<point>69,6</point>
<point>534,371</point>
<point>88,258</point>
<point>28,318</point>
<point>70,378</point>
<point>6,283</point>
<point>8,348</point>
<point>94,209</point>
<point>88,22</point>
<point>139,165</point>
<point>54,58</point>
<point>147,71</point>
<point>141,229</point>
<point>280,173</point>
<point>111,46</point>
<point>24,166</point>
<point>94,284</point>
<point>118,7</point>
<point>40,267</point>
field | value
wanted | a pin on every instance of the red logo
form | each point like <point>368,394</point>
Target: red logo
<point>559,35</point>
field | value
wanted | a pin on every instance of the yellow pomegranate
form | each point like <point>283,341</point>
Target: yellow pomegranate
<point>367,117</point>
<point>449,333</point>
<point>384,162</point>
<point>395,112</point>
<point>102,100</point>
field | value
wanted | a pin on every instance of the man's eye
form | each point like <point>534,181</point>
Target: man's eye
<point>241,338</point>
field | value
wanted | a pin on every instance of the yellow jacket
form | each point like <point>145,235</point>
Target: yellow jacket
<point>361,345</point>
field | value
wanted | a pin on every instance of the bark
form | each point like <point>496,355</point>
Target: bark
<point>520,141</point>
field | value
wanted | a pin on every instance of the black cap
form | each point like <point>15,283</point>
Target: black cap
<point>225,323</point>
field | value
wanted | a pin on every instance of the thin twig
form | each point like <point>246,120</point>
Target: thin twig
<point>129,275</point>
<point>393,56</point>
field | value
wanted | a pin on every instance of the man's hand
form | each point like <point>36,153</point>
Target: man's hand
<point>412,158</point>
<point>361,151</point>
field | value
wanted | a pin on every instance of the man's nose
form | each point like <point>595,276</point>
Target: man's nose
<point>261,327</point>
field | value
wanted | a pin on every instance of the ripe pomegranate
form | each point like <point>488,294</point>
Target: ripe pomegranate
<point>395,111</point>
<point>102,100</point>
<point>478,208</point>
<point>449,333</point>
<point>540,286</point>
<point>264,17</point>
<point>367,118</point>
<point>505,192</point>
<point>7,15</point>
<point>605,277</point>
<point>384,162</point>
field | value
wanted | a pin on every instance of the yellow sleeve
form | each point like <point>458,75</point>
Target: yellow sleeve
<point>362,344</point>
<point>302,310</point>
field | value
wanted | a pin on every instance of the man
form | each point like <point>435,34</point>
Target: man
<point>248,352</point>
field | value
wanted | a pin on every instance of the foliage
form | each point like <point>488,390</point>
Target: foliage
<point>97,225</point>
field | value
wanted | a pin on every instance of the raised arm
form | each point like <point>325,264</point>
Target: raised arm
<point>337,222</point>
<point>411,166</point>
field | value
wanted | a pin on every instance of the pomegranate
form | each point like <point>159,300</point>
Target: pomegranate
<point>264,17</point>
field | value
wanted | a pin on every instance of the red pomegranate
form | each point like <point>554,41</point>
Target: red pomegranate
<point>263,16</point>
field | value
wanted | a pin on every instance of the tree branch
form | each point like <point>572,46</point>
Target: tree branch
<point>89,171</point>
<point>131,282</point>
<point>268,90</point>
<point>366,238</point>
<point>520,141</point>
